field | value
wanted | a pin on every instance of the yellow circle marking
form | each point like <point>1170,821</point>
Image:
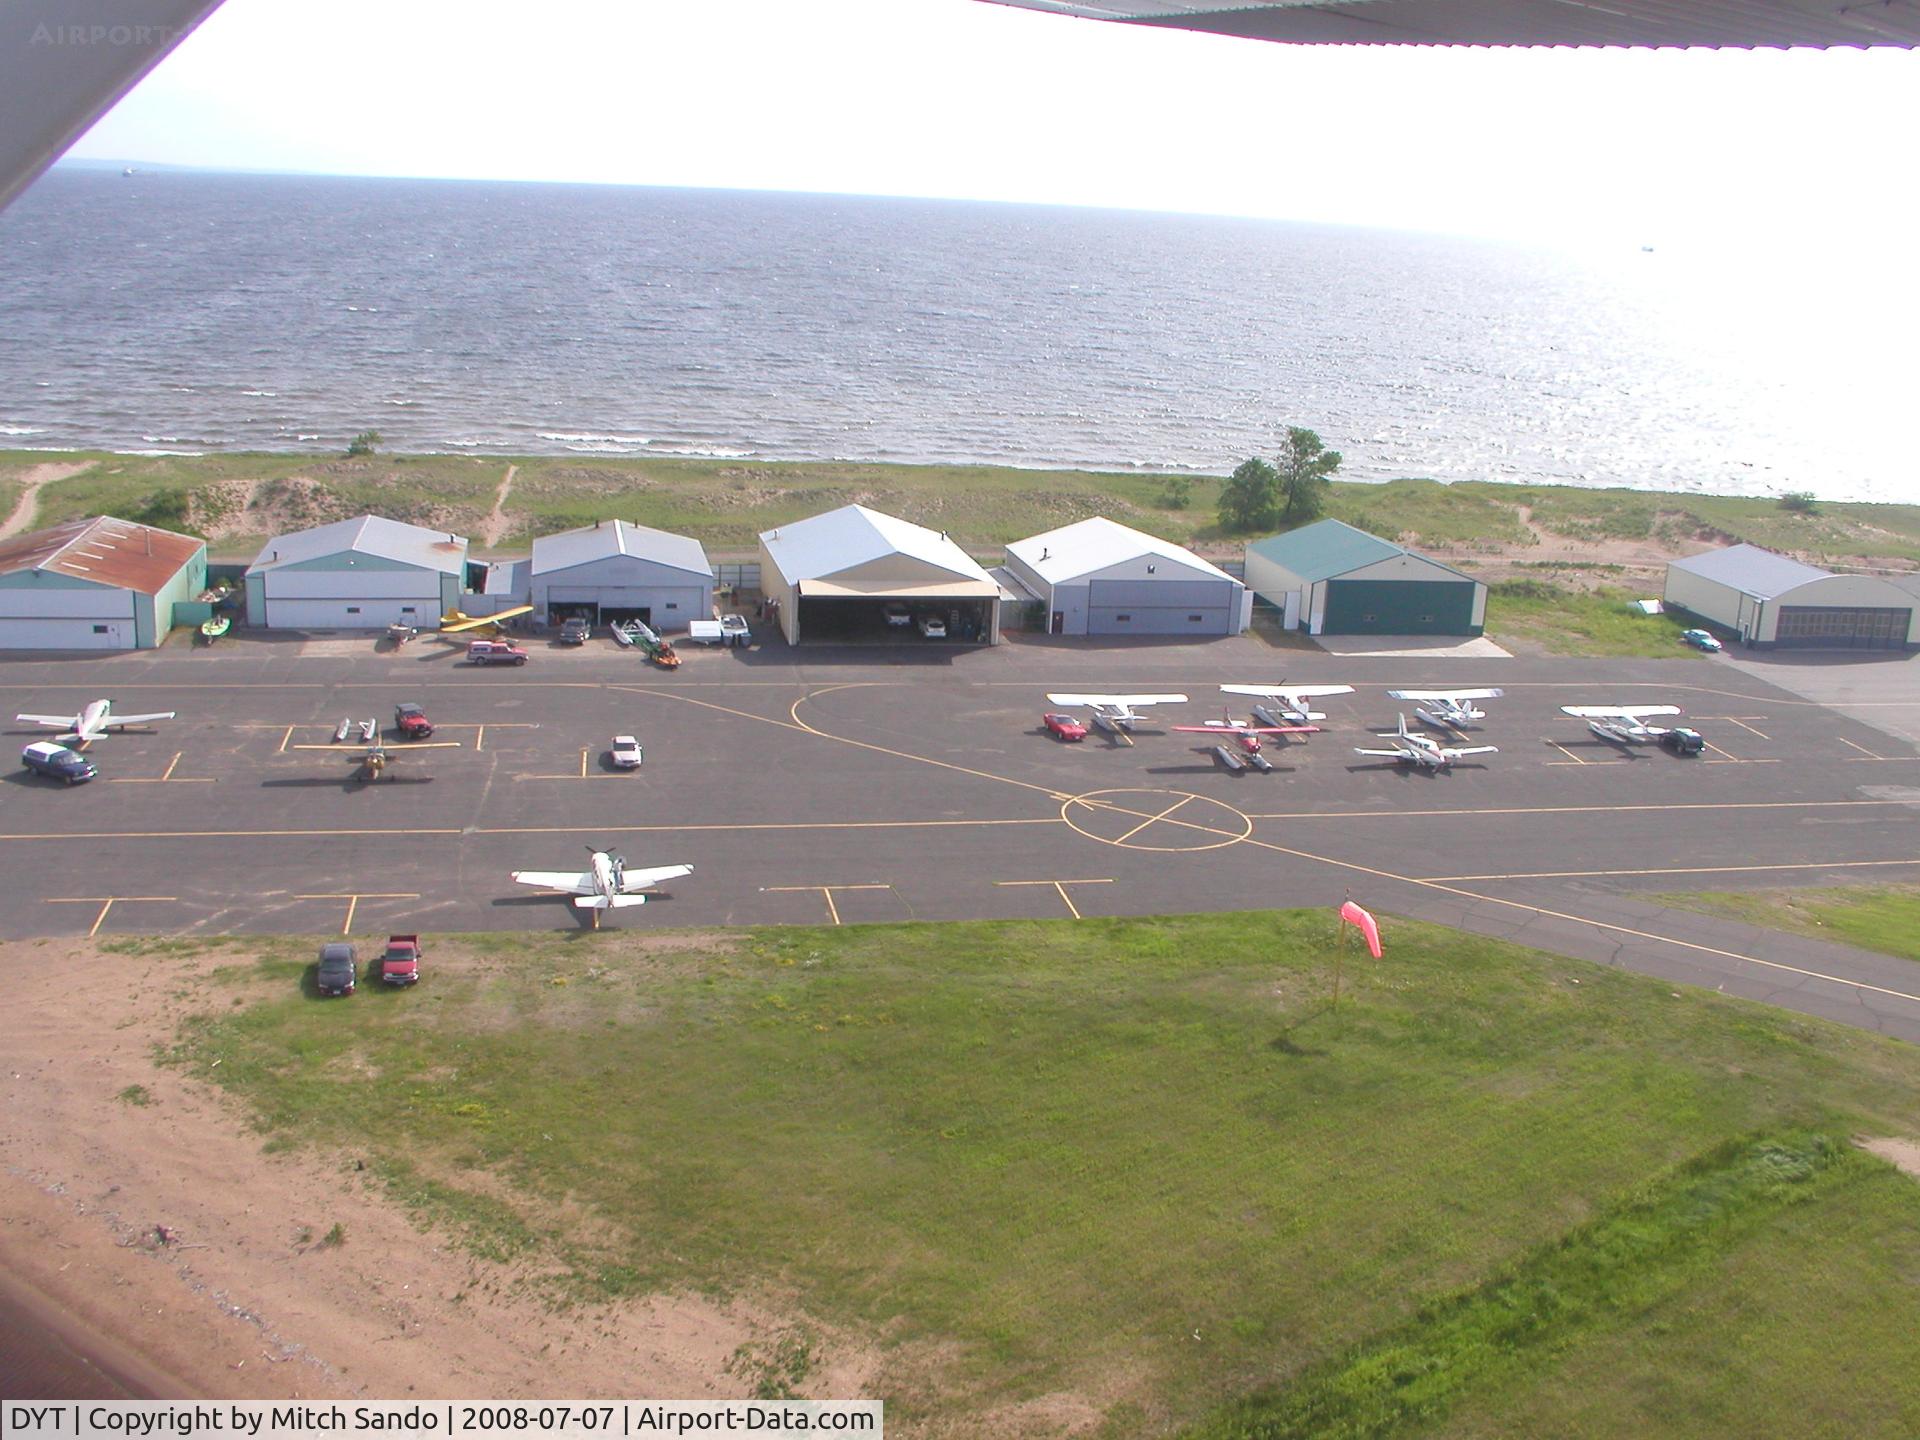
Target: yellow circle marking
<point>1140,810</point>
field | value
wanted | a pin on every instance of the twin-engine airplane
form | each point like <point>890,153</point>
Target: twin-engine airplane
<point>1424,750</point>
<point>1291,700</point>
<point>1114,713</point>
<point>1622,724</point>
<point>606,885</point>
<point>94,721</point>
<point>1447,709</point>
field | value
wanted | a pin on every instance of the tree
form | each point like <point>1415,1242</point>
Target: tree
<point>1800,502</point>
<point>363,443</point>
<point>1304,468</point>
<point>1250,500</point>
<point>1177,493</point>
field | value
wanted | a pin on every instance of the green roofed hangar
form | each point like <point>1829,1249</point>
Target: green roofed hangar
<point>1328,578</point>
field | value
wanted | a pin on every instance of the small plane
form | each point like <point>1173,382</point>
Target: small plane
<point>1248,734</point>
<point>1623,724</point>
<point>1292,700</point>
<point>1447,709</point>
<point>376,758</point>
<point>1424,750</point>
<point>456,621</point>
<point>606,885</point>
<point>94,721</point>
<point>1114,713</point>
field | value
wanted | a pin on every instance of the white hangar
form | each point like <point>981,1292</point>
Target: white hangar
<point>360,574</point>
<point>1770,600</point>
<point>1098,577</point>
<point>612,571</point>
<point>97,584</point>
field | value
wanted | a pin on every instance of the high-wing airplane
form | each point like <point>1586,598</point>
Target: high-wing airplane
<point>94,721</point>
<point>1113,713</point>
<point>1622,724</point>
<point>1291,699</point>
<point>1424,750</point>
<point>1248,734</point>
<point>456,621</point>
<point>607,885</point>
<point>1447,709</point>
<point>375,759</point>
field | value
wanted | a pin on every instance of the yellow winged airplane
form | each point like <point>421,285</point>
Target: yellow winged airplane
<point>456,621</point>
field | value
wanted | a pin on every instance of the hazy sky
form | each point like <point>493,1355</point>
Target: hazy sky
<point>959,98</point>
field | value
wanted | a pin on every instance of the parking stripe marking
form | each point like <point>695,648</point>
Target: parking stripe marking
<point>1060,886</point>
<point>1861,748</point>
<point>106,904</point>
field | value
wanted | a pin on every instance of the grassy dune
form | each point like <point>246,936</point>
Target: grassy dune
<point>1140,1161</point>
<point>1565,621</point>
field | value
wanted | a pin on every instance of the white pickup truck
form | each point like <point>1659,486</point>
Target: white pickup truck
<point>727,630</point>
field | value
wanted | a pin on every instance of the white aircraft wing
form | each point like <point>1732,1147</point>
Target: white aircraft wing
<point>631,879</point>
<point>115,718</point>
<point>1288,692</point>
<point>1473,749</point>
<point>575,882</point>
<point>1128,701</point>
<point>1395,754</point>
<point>1446,694</point>
<point>1617,712</point>
<point>63,722</point>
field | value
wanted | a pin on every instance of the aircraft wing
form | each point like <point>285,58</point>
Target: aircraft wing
<point>1617,712</point>
<point>574,882</point>
<point>1446,694</point>
<point>62,722</point>
<point>1393,754</point>
<point>1288,692</point>
<point>632,880</point>
<point>115,719</point>
<point>1128,701</point>
<point>1473,750</point>
<point>465,622</point>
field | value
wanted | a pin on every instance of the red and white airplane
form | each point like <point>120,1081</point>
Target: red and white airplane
<point>1114,713</point>
<point>94,721</point>
<point>1248,734</point>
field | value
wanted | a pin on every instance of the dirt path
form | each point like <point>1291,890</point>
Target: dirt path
<point>496,525</point>
<point>30,484</point>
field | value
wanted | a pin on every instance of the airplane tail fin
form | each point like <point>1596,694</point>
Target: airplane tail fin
<point>1403,724</point>
<point>608,902</point>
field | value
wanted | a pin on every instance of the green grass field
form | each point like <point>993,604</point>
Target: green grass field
<point>1539,614</point>
<point>1873,917</point>
<point>1138,1161</point>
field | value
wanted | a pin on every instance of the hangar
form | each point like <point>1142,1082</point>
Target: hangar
<point>360,574</point>
<point>611,570</point>
<point>96,584</point>
<point>1328,578</point>
<point>837,576</point>
<point>1770,600</point>
<point>1098,577</point>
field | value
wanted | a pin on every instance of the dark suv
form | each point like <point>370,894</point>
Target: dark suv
<point>1682,741</point>
<point>574,631</point>
<point>337,970</point>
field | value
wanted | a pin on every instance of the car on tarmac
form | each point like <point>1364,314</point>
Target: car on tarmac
<point>1702,640</point>
<point>1063,727</point>
<point>1682,741</point>
<point>43,757</point>
<point>411,721</point>
<point>495,652</point>
<point>337,970</point>
<point>625,753</point>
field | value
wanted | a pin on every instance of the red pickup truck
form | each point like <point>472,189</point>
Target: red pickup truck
<point>411,721</point>
<point>401,964</point>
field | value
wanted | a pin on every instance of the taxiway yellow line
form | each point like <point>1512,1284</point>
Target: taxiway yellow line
<point>1679,870</point>
<point>1573,809</point>
<point>106,904</point>
<point>1154,819</point>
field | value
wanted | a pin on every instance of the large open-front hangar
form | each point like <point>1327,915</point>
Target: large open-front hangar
<point>854,574</point>
<point>828,785</point>
<point>1767,600</point>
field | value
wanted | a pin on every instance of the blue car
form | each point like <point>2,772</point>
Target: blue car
<point>1701,640</point>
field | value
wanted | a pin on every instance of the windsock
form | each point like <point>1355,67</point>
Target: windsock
<point>1353,915</point>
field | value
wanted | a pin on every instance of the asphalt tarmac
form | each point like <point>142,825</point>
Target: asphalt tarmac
<point>849,785</point>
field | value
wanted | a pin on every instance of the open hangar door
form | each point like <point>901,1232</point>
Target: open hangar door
<point>863,619</point>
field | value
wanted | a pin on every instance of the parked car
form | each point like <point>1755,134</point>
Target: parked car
<point>1064,727</point>
<point>897,613</point>
<point>1682,741</point>
<point>626,752</point>
<point>411,721</point>
<point>575,630</point>
<point>338,969</point>
<point>401,963</point>
<point>933,627</point>
<point>43,757</point>
<point>495,652</point>
<point>1701,640</point>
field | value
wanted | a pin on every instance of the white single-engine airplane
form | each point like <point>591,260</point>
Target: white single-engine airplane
<point>1447,709</point>
<point>1291,699</point>
<point>1114,713</point>
<point>606,885</point>
<point>94,721</point>
<point>1424,750</point>
<point>1622,724</point>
